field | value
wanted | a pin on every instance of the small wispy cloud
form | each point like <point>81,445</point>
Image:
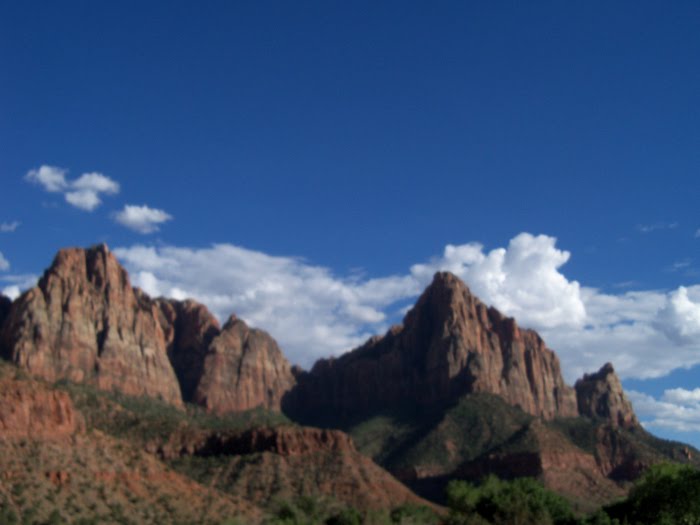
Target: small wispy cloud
<point>697,233</point>
<point>142,219</point>
<point>677,266</point>
<point>4,263</point>
<point>83,192</point>
<point>657,226</point>
<point>9,227</point>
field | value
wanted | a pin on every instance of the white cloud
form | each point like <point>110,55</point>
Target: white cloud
<point>85,200</point>
<point>648,228</point>
<point>83,192</point>
<point>12,291</point>
<point>9,227</point>
<point>522,280</point>
<point>4,263</point>
<point>682,396</point>
<point>679,318</point>
<point>678,410</point>
<point>17,284</point>
<point>142,218</point>
<point>314,313</point>
<point>95,182</point>
<point>51,178</point>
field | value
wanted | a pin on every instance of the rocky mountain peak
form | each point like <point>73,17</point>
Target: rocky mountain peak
<point>600,396</point>
<point>84,322</point>
<point>450,344</point>
<point>243,369</point>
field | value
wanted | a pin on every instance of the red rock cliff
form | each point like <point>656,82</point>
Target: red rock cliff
<point>29,410</point>
<point>84,322</point>
<point>189,328</point>
<point>243,369</point>
<point>600,396</point>
<point>450,344</point>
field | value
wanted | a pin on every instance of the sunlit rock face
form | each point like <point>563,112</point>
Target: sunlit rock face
<point>84,322</point>
<point>600,396</point>
<point>449,344</point>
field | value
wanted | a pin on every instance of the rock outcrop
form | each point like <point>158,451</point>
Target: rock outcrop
<point>189,328</point>
<point>85,323</point>
<point>542,452</point>
<point>243,369</point>
<point>30,410</point>
<point>264,465</point>
<point>600,396</point>
<point>450,344</point>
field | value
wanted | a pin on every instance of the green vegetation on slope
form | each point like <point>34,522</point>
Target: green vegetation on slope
<point>476,423</point>
<point>143,419</point>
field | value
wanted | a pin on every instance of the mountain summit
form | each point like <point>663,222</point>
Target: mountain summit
<point>449,344</point>
<point>84,322</point>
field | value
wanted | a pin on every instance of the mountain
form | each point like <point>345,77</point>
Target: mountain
<point>460,391</point>
<point>124,408</point>
<point>84,322</point>
<point>600,396</point>
<point>243,368</point>
<point>449,344</point>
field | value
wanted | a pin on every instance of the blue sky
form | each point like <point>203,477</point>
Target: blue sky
<point>320,157</point>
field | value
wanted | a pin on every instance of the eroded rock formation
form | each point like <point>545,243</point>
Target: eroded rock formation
<point>600,396</point>
<point>30,410</point>
<point>84,322</point>
<point>450,344</point>
<point>189,328</point>
<point>243,368</point>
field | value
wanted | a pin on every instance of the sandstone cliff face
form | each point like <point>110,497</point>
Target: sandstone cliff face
<point>450,344</point>
<point>31,411</point>
<point>189,329</point>
<point>84,322</point>
<point>243,369</point>
<point>600,396</point>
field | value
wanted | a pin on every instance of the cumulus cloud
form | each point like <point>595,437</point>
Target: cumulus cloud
<point>9,227</point>
<point>51,178</point>
<point>314,312</point>
<point>142,219</point>
<point>83,192</point>
<point>678,410</point>
<point>16,284</point>
<point>523,280</point>
<point>4,263</point>
<point>679,318</point>
<point>12,291</point>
